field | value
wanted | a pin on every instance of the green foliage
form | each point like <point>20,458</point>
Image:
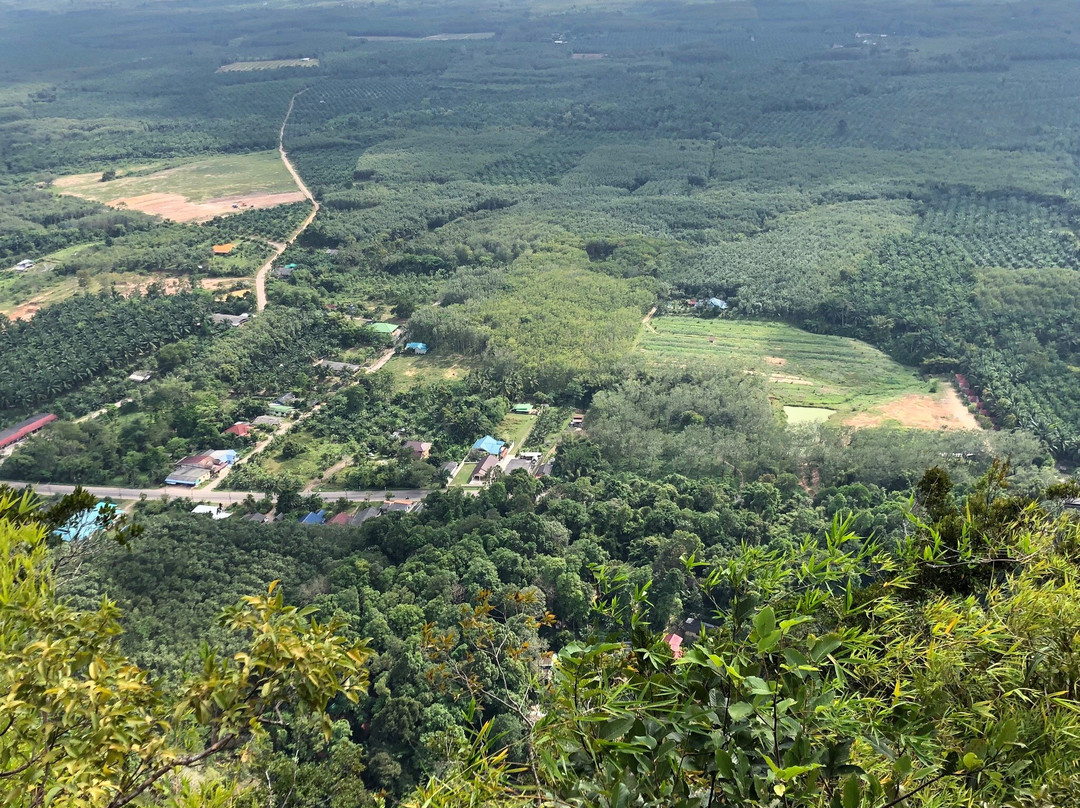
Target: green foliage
<point>73,341</point>
<point>710,421</point>
<point>839,673</point>
<point>85,726</point>
<point>551,319</point>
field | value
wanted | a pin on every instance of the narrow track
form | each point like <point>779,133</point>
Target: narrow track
<point>260,276</point>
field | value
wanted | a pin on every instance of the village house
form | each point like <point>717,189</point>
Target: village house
<point>484,469</point>
<point>338,367</point>
<point>14,434</point>
<point>390,329</point>
<point>420,450</point>
<point>491,446</point>
<point>235,320</point>
<point>364,515</point>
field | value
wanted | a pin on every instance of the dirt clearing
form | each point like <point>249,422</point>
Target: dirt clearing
<point>943,410</point>
<point>177,208</point>
<point>192,190</point>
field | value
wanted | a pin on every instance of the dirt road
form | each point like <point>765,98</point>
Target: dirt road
<point>260,276</point>
<point>382,360</point>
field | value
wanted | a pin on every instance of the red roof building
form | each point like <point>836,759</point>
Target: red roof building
<point>14,434</point>
<point>240,428</point>
<point>341,519</point>
<point>674,642</point>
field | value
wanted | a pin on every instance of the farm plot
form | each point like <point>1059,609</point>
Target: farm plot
<point>860,384</point>
<point>266,64</point>
<point>193,190</point>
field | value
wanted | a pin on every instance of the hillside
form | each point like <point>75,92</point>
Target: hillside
<point>513,337</point>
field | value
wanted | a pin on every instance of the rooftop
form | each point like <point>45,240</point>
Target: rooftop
<point>489,444</point>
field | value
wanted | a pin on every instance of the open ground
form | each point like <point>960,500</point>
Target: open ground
<point>22,303</point>
<point>192,191</point>
<point>412,371</point>
<point>859,384</point>
<point>266,64</point>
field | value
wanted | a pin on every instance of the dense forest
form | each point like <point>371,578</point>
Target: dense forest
<point>810,680</point>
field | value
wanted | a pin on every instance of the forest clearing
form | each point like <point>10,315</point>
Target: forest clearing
<point>842,379</point>
<point>266,64</point>
<point>192,191</point>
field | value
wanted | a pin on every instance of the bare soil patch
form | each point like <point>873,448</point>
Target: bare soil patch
<point>26,311</point>
<point>776,360</point>
<point>179,209</point>
<point>944,410</point>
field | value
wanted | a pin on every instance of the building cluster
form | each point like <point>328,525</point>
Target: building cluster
<point>358,517</point>
<point>196,469</point>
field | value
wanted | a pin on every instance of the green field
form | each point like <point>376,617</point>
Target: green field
<point>412,371</point>
<point>514,429</point>
<point>805,370</point>
<point>198,181</point>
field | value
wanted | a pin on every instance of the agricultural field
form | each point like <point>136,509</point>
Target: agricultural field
<point>813,377</point>
<point>267,64</point>
<point>191,191</point>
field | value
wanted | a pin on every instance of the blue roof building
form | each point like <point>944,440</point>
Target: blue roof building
<point>314,518</point>
<point>84,525</point>
<point>490,445</point>
<point>717,303</point>
<point>416,347</point>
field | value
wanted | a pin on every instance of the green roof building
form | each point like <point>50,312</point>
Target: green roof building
<point>384,328</point>
<point>522,409</point>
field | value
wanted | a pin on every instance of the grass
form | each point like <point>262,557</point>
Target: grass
<point>413,371</point>
<point>22,294</point>
<point>464,474</point>
<point>197,181</point>
<point>307,465</point>
<point>514,429</point>
<point>806,370</point>
<point>266,64</point>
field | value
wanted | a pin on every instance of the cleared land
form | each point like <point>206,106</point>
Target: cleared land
<point>860,384</point>
<point>432,38</point>
<point>515,429</point>
<point>413,371</point>
<point>192,191</point>
<point>266,64</point>
<point>23,297</point>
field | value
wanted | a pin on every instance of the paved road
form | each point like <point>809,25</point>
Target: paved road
<point>260,276</point>
<point>216,497</point>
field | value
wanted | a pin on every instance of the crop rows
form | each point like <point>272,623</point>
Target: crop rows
<point>334,98</point>
<point>1005,232</point>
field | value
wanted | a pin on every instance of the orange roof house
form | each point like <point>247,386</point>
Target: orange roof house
<point>223,249</point>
